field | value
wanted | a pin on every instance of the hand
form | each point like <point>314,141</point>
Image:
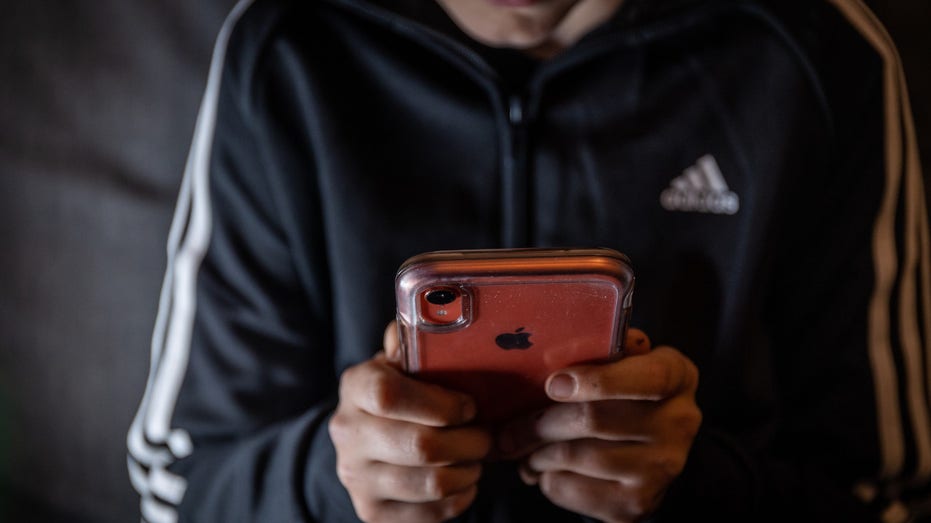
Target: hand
<point>403,449</point>
<point>619,435</point>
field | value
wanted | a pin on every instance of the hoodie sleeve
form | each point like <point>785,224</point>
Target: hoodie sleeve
<point>233,423</point>
<point>850,439</point>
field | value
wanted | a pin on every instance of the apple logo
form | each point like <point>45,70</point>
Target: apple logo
<point>514,340</point>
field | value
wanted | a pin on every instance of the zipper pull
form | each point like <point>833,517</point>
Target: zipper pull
<point>516,110</point>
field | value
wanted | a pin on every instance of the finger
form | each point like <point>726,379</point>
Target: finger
<point>431,512</point>
<point>409,444</point>
<point>655,376</point>
<point>636,343</point>
<point>632,464</point>
<point>603,500</point>
<point>377,511</point>
<point>621,420</point>
<point>381,390</point>
<point>420,484</point>
<point>392,343</point>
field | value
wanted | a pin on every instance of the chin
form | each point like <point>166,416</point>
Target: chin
<point>518,32</point>
<point>521,40</point>
<point>519,24</point>
<point>514,3</point>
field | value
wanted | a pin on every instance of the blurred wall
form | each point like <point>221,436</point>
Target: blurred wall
<point>97,107</point>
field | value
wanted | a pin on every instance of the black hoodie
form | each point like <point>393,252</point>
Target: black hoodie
<point>754,160</point>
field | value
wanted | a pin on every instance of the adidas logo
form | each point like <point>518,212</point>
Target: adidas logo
<point>700,188</point>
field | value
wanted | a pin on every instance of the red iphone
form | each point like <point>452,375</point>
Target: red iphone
<point>495,323</point>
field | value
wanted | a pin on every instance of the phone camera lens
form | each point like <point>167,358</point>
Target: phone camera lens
<point>442,296</point>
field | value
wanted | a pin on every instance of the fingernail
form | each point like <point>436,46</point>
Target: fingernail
<point>528,475</point>
<point>561,386</point>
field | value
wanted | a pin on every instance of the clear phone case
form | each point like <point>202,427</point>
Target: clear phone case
<point>495,323</point>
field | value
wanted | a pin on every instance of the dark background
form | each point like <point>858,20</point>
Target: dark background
<point>97,106</point>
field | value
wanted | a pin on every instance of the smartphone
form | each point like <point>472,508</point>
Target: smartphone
<point>496,323</point>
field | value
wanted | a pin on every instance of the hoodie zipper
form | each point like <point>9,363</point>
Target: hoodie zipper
<point>517,188</point>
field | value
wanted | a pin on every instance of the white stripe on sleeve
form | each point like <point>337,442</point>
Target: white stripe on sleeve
<point>903,172</point>
<point>153,445</point>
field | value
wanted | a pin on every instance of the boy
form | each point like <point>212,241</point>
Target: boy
<point>754,159</point>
